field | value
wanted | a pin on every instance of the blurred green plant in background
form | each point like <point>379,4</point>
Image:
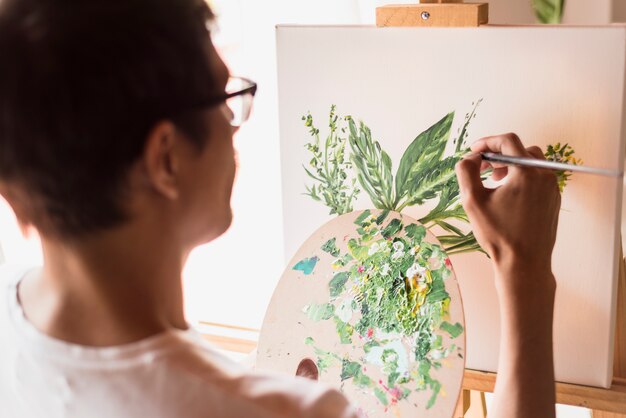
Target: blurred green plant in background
<point>549,11</point>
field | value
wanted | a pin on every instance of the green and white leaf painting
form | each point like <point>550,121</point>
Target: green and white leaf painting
<point>329,167</point>
<point>373,166</point>
<point>424,173</point>
<point>548,11</point>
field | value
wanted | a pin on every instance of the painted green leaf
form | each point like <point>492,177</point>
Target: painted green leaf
<point>368,345</point>
<point>373,166</point>
<point>330,247</point>
<point>362,380</point>
<point>428,146</point>
<point>437,292</point>
<point>349,369</point>
<point>381,396</point>
<point>449,227</point>
<point>344,330</point>
<point>548,11</point>
<point>392,378</point>
<point>416,232</point>
<point>427,179</point>
<point>357,251</point>
<point>328,167</point>
<point>562,153</point>
<point>435,387</point>
<point>454,330</point>
<point>337,283</point>
<point>342,261</point>
<point>437,343</point>
<point>319,312</point>
<point>362,217</point>
<point>392,228</point>
<point>382,217</point>
<point>325,360</point>
<point>457,244</point>
<point>445,212</point>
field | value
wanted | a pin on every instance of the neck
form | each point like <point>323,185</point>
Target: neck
<point>115,288</point>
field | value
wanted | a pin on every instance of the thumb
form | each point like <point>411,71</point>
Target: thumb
<point>307,368</point>
<point>468,175</point>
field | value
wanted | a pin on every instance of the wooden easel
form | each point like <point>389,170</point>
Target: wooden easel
<point>443,13</point>
<point>604,403</point>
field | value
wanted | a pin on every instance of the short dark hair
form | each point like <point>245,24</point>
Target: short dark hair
<point>82,82</point>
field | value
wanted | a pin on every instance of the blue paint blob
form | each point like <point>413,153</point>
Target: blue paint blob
<point>307,265</point>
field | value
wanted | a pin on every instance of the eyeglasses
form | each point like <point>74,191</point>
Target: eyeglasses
<point>236,103</point>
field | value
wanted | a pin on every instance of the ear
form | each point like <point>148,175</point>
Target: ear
<point>161,159</point>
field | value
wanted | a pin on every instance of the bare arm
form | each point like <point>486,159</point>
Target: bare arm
<point>516,224</point>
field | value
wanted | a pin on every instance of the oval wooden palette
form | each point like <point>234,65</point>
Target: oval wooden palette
<point>372,299</point>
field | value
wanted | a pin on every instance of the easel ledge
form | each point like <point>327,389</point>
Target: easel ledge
<point>611,400</point>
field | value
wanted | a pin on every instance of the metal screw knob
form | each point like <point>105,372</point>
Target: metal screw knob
<point>425,15</point>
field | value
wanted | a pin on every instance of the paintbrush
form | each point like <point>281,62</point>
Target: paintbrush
<point>550,165</point>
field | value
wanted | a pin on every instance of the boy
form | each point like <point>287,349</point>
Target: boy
<point>116,125</point>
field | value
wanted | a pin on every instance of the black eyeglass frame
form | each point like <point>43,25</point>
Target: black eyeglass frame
<point>223,98</point>
<point>215,101</point>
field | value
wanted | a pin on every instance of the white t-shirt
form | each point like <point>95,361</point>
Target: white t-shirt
<point>173,374</point>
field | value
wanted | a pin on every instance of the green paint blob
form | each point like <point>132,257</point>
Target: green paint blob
<point>319,312</point>
<point>454,330</point>
<point>306,265</point>
<point>362,217</point>
<point>330,247</point>
<point>337,283</point>
<point>393,228</point>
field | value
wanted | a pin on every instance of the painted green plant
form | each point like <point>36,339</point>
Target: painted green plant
<point>562,154</point>
<point>548,11</point>
<point>425,173</point>
<point>388,292</point>
<point>329,167</point>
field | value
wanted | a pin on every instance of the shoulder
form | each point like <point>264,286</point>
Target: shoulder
<point>244,392</point>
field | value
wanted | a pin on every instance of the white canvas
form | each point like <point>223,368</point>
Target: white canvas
<point>546,84</point>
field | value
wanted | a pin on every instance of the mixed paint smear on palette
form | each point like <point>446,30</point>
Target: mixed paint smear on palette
<point>388,292</point>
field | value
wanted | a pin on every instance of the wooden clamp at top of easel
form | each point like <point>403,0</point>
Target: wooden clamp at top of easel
<point>433,13</point>
<point>604,403</point>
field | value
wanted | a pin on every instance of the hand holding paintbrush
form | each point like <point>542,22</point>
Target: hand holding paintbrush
<point>516,225</point>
